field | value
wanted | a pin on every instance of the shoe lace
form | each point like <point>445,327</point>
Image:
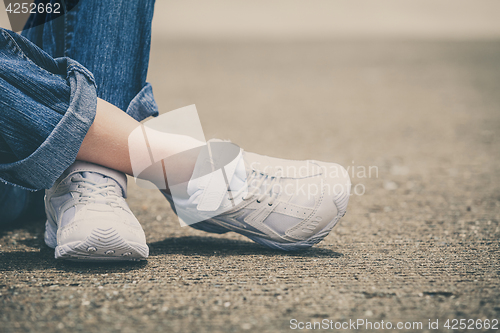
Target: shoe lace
<point>264,180</point>
<point>91,191</point>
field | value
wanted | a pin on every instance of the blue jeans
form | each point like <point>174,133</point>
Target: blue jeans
<point>50,78</point>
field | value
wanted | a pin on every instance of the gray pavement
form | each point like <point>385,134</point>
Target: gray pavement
<point>421,243</point>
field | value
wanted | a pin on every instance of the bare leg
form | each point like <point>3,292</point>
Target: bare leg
<point>107,144</point>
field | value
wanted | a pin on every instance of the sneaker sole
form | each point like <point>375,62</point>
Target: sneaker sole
<point>101,245</point>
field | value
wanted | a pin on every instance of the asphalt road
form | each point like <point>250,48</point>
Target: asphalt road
<point>420,240</point>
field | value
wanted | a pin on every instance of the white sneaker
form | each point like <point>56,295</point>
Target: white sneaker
<point>282,204</point>
<point>88,218</point>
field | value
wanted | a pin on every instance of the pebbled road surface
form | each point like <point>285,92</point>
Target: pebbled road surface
<point>421,243</point>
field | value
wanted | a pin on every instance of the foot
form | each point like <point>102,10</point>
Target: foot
<point>282,204</point>
<point>88,218</point>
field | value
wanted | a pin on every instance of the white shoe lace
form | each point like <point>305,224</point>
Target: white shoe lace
<point>264,180</point>
<point>91,191</point>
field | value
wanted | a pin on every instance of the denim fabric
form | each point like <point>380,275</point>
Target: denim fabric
<point>13,200</point>
<point>47,105</point>
<point>18,204</point>
<point>112,40</point>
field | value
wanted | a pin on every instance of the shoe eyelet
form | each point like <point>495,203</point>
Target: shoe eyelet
<point>269,204</point>
<point>258,201</point>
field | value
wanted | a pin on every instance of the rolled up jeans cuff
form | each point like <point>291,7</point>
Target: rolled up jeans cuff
<point>43,167</point>
<point>143,105</point>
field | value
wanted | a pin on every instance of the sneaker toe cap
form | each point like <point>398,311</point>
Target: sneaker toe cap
<point>102,231</point>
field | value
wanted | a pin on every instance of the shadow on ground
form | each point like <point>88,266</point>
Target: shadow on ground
<point>208,246</point>
<point>37,256</point>
<point>187,245</point>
